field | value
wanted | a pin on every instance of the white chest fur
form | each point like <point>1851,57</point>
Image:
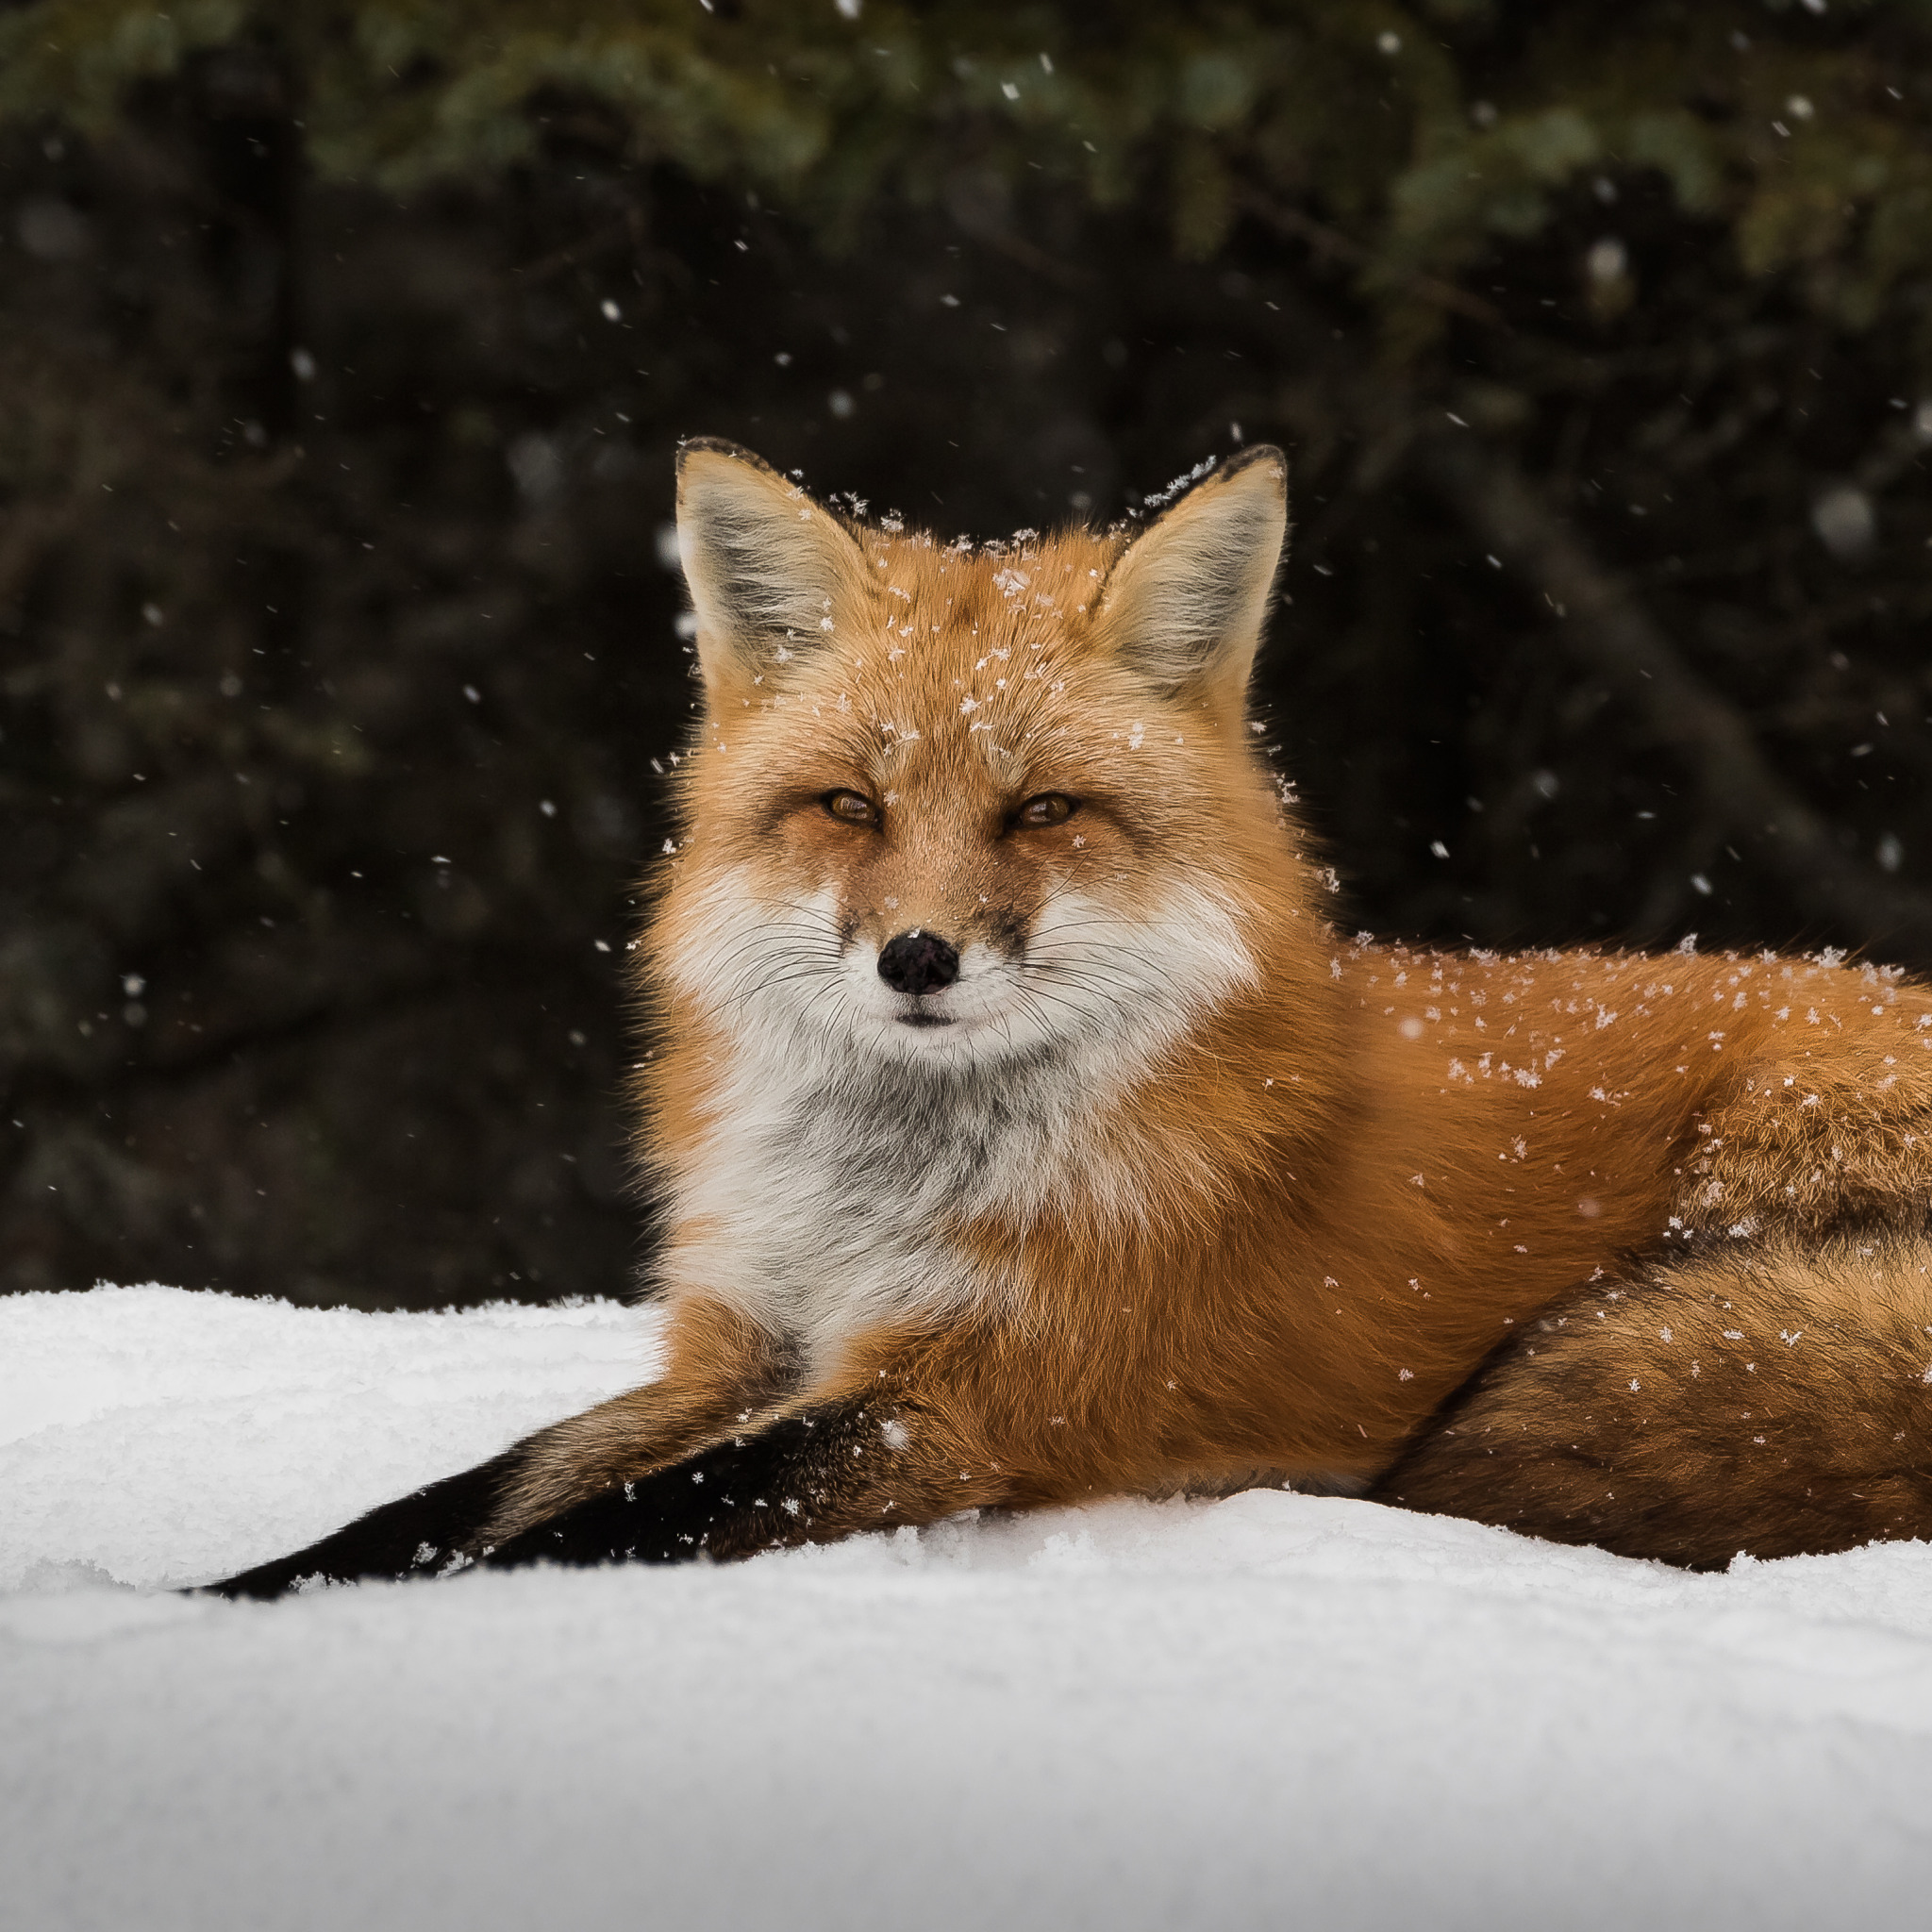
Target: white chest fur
<point>841,1157</point>
<point>821,1209</point>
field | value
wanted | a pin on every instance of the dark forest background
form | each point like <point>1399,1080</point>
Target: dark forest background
<point>344,349</point>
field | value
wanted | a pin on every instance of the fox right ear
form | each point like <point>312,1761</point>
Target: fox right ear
<point>762,561</point>
<point>1185,602</point>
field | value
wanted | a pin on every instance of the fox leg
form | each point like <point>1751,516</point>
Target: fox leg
<point>1816,1145</point>
<point>823,1471</point>
<point>722,1371</point>
<point>1766,1400</point>
<point>915,1426</point>
<point>908,1443</point>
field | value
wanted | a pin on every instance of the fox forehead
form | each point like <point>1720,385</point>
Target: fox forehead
<point>1001,590</point>
<point>945,618</point>
<point>982,661</point>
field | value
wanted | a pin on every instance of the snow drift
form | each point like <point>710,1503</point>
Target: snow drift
<point>1274,1711</point>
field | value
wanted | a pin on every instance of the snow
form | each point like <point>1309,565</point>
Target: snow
<point>1274,1711</point>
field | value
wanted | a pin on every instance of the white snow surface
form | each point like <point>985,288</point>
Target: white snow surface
<point>1276,1710</point>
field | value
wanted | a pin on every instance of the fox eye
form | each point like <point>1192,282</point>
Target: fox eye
<point>1049,808</point>
<point>853,806</point>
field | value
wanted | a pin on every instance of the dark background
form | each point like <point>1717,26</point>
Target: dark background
<point>338,661</point>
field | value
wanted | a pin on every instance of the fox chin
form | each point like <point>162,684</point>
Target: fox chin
<point>1028,1133</point>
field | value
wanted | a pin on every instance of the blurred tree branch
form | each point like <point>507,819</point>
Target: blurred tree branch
<point>1602,624</point>
<point>1285,219</point>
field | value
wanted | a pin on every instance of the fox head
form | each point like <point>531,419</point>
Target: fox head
<point>958,808</point>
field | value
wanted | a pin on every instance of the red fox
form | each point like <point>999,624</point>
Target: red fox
<point>1029,1135</point>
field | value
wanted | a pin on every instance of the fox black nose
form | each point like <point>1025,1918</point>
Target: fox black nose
<point>918,962</point>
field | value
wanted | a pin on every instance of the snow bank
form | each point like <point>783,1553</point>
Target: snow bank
<point>1276,1710</point>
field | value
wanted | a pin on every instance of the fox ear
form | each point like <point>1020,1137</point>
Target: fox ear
<point>1185,602</point>
<point>762,561</point>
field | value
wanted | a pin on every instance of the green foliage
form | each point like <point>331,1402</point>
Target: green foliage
<point>1426,132</point>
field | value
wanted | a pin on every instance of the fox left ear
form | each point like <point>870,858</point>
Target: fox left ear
<point>768,568</point>
<point>1185,603</point>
